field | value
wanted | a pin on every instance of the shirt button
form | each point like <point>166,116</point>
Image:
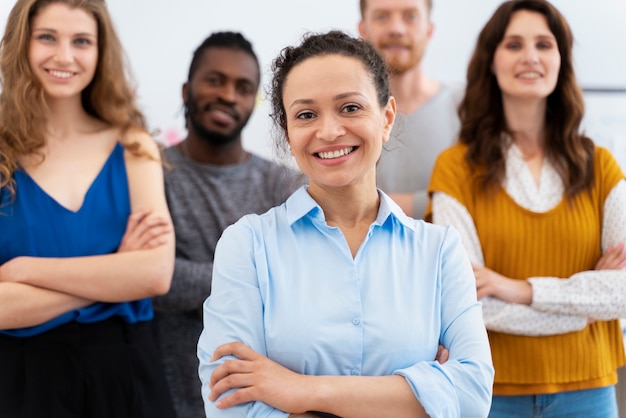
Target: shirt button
<point>356,321</point>
<point>354,372</point>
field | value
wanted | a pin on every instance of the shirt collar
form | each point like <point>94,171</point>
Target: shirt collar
<point>301,204</point>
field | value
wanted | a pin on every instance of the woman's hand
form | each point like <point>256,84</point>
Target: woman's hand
<point>257,378</point>
<point>443,354</point>
<point>144,232</point>
<point>613,259</point>
<point>490,283</point>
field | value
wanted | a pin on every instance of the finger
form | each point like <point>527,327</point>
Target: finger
<point>239,396</point>
<point>155,242</point>
<point>148,230</point>
<point>154,233</point>
<point>481,292</point>
<point>442,354</point>
<point>226,369</point>
<point>136,218</point>
<point>235,348</point>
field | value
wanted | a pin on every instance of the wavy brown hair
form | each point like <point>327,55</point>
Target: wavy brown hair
<point>109,97</point>
<point>482,115</point>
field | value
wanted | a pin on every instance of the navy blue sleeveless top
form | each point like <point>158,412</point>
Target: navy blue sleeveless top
<point>34,224</point>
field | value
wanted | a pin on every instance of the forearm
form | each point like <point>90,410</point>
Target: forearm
<point>364,396</point>
<point>516,319</point>
<point>22,305</point>
<point>116,277</point>
<point>598,294</point>
<point>191,285</point>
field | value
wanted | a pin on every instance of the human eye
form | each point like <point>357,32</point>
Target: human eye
<point>351,108</point>
<point>513,45</point>
<point>381,16</point>
<point>83,41</point>
<point>45,37</point>
<point>213,80</point>
<point>305,115</point>
<point>410,16</point>
<point>246,89</point>
<point>544,45</point>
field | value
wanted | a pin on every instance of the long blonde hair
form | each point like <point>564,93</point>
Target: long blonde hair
<point>109,97</point>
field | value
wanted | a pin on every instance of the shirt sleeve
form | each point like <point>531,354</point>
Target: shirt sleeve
<point>191,283</point>
<point>462,386</point>
<point>233,312</point>
<point>500,316</point>
<point>594,294</point>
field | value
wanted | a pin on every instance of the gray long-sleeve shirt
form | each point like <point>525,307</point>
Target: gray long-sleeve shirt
<point>203,200</point>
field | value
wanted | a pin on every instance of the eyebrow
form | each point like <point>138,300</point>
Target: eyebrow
<point>536,37</point>
<point>48,30</point>
<point>222,74</point>
<point>337,97</point>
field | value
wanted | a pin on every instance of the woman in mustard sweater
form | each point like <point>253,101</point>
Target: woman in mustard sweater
<point>541,212</point>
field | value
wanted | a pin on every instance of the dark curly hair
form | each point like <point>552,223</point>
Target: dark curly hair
<point>228,40</point>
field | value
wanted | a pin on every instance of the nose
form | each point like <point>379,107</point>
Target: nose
<point>228,92</point>
<point>396,25</point>
<point>63,53</point>
<point>531,55</point>
<point>330,128</point>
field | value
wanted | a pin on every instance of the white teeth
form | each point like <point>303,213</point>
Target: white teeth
<point>335,154</point>
<point>60,74</point>
<point>529,75</point>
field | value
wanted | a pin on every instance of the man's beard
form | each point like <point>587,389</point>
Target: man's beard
<point>212,137</point>
<point>397,66</point>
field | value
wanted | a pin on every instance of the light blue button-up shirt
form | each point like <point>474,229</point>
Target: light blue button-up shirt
<point>285,283</point>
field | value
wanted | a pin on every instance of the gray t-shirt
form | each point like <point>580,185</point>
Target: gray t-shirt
<point>416,140</point>
<point>203,200</point>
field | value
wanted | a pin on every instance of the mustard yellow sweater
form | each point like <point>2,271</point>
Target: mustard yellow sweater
<point>519,244</point>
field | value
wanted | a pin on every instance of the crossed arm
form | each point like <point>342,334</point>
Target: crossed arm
<point>36,289</point>
<point>547,306</point>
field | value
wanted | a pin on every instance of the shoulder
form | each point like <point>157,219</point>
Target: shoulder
<point>453,155</point>
<point>454,91</point>
<point>139,143</point>
<point>256,227</point>
<point>277,174</point>
<point>607,171</point>
<point>604,156</point>
<point>605,163</point>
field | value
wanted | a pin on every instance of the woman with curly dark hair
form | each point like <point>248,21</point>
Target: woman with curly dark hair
<point>336,301</point>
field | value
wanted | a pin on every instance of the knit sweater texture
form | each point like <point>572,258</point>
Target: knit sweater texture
<point>518,244</point>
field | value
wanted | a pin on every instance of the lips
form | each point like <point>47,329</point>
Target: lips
<point>529,75</point>
<point>222,115</point>
<point>60,74</point>
<point>329,155</point>
<point>394,46</point>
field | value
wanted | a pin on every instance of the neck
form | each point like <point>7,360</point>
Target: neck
<point>202,151</point>
<point>347,207</point>
<point>68,117</point>
<point>526,121</point>
<point>412,89</point>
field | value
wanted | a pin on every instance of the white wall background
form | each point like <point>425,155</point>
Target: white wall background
<point>160,36</point>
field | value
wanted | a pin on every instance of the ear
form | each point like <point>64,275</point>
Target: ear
<point>185,92</point>
<point>362,29</point>
<point>289,144</point>
<point>389,117</point>
<point>430,30</point>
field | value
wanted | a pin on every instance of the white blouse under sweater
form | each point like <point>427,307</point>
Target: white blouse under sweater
<point>558,306</point>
